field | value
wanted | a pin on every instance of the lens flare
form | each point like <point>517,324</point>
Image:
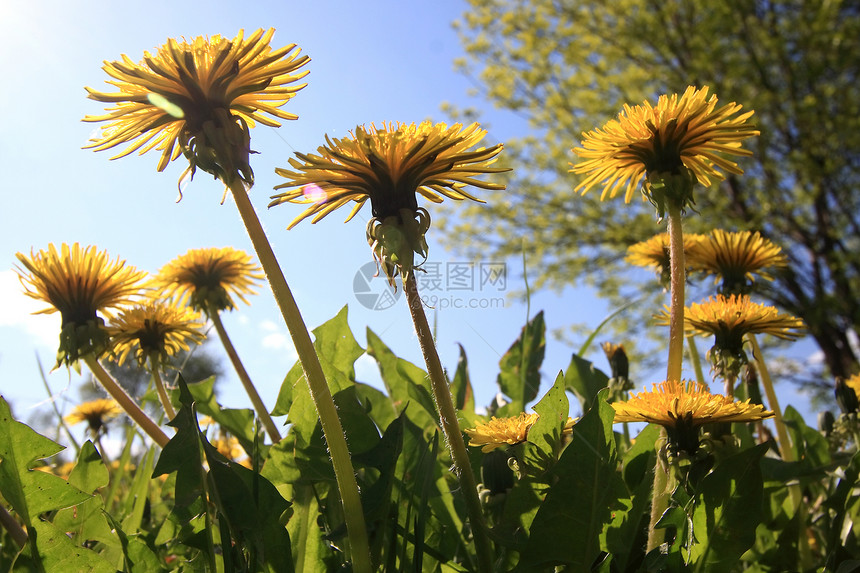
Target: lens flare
<point>313,193</point>
<point>165,105</point>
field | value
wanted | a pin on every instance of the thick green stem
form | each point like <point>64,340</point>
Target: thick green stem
<point>319,390</point>
<point>729,385</point>
<point>155,365</point>
<point>16,532</point>
<point>450,426</point>
<point>245,379</point>
<point>695,359</point>
<point>676,294</point>
<point>782,433</point>
<point>659,498</point>
<point>785,449</point>
<point>124,400</point>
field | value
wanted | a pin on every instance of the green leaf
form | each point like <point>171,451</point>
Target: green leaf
<point>335,341</point>
<point>137,495</point>
<point>461,387</point>
<point>256,512</point>
<point>728,508</point>
<point>407,384</point>
<point>89,472</point>
<point>182,455</point>
<point>59,553</point>
<point>584,380</point>
<point>519,376</point>
<point>810,446</point>
<point>626,537</point>
<point>361,433</point>
<point>377,404</point>
<point>238,421</point>
<point>544,437</point>
<point>376,497</point>
<point>30,492</point>
<point>337,350</point>
<point>567,527</point>
<point>138,556</point>
<point>308,545</point>
<point>86,522</point>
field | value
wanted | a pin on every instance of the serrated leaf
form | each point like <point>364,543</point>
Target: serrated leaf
<point>86,522</point>
<point>626,537</point>
<point>566,529</point>
<point>584,380</point>
<point>519,375</point>
<point>59,553</point>
<point>238,421</point>
<point>727,511</point>
<point>254,510</point>
<point>377,404</point>
<point>30,492</point>
<point>335,341</point>
<point>544,437</point>
<point>308,545</point>
<point>406,384</point>
<point>461,387</point>
<point>182,455</point>
<point>337,350</point>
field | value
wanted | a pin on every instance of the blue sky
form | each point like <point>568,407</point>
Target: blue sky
<point>370,62</point>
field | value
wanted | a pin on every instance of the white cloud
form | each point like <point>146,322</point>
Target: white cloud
<point>276,337</point>
<point>276,341</point>
<point>16,311</point>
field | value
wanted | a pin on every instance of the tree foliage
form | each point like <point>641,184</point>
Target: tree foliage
<point>569,66</point>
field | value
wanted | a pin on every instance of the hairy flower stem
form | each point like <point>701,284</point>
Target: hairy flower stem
<point>785,448</point>
<point>319,390</point>
<point>124,400</point>
<point>256,400</point>
<point>660,497</point>
<point>450,426</point>
<point>676,293</point>
<point>155,366</point>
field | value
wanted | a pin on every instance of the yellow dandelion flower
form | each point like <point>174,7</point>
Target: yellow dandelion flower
<point>498,432</point>
<point>199,98</point>
<point>682,407</point>
<point>209,278</point>
<point>729,320</point>
<point>391,165</point>
<point>683,135</point>
<point>653,253</point>
<point>671,401</point>
<point>732,317</point>
<point>229,447</point>
<point>79,283</point>
<point>735,258</point>
<point>155,329</point>
<point>848,394</point>
<point>95,413</point>
<point>854,383</point>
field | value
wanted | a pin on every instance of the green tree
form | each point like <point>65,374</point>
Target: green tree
<point>568,67</point>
